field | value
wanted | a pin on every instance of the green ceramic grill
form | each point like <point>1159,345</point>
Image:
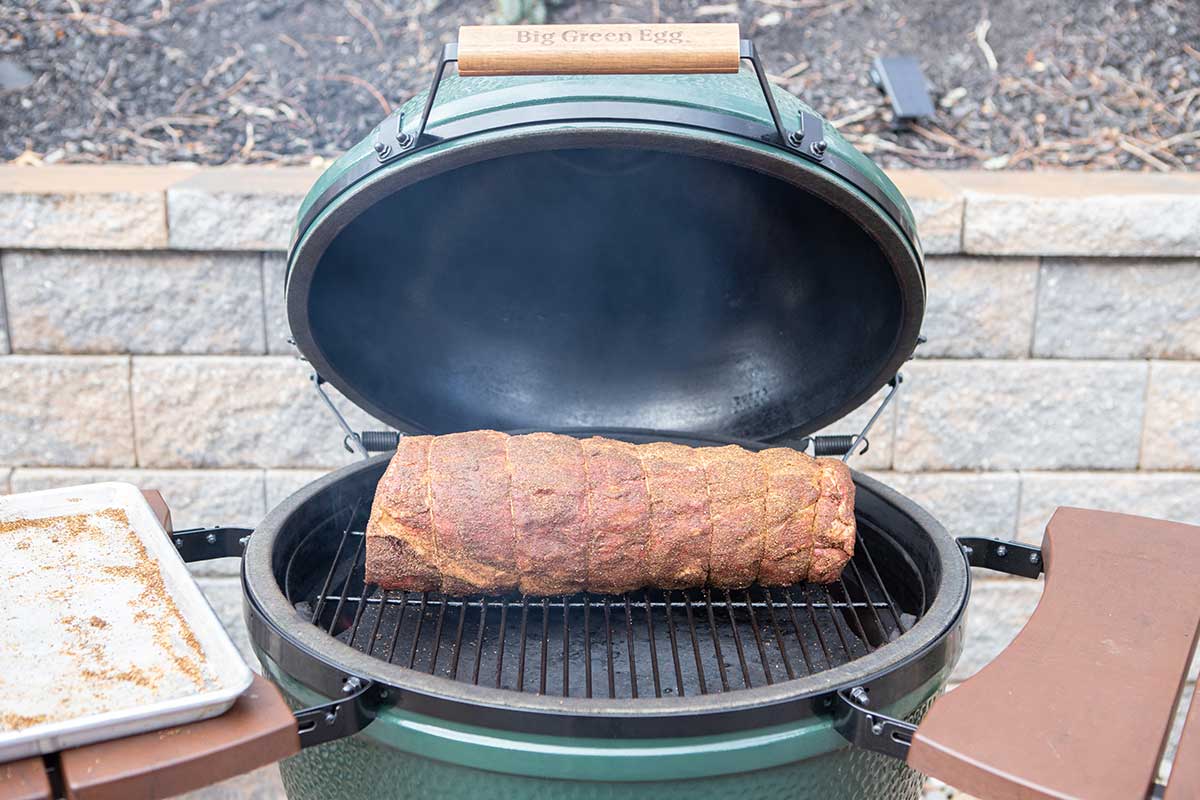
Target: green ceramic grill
<point>627,231</point>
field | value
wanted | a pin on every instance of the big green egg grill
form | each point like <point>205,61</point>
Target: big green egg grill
<point>694,257</point>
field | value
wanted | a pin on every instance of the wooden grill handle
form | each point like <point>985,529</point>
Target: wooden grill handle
<point>485,50</point>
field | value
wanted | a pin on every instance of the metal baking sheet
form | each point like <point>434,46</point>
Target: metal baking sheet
<point>103,631</point>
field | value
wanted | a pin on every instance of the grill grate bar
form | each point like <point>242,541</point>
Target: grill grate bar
<point>608,637</point>
<point>758,641</point>
<point>412,655</point>
<point>323,595</point>
<point>779,640</point>
<point>836,627</point>
<point>712,627</point>
<point>458,637</point>
<point>566,653</point>
<point>374,632</point>
<point>524,625</point>
<point>808,664</point>
<point>629,646</point>
<point>587,647</point>
<point>670,612</point>
<point>396,633</point>
<point>579,604</point>
<point>483,609</point>
<point>861,546</point>
<point>874,611</point>
<point>437,639</point>
<point>832,624</point>
<point>545,643</point>
<point>862,631</point>
<point>737,641</point>
<point>500,650</point>
<point>695,645</point>
<point>653,647</point>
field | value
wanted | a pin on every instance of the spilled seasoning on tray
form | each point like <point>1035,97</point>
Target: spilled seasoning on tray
<point>86,603</point>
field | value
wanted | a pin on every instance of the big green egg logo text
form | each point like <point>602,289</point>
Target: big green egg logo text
<point>577,36</point>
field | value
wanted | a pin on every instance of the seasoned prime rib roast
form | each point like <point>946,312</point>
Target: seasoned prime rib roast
<point>548,514</point>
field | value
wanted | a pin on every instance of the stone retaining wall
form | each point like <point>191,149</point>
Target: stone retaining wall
<point>143,338</point>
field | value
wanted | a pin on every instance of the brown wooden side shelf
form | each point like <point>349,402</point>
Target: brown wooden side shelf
<point>1082,701</point>
<point>260,729</point>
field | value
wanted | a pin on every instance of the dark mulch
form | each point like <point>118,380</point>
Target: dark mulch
<point>1020,83</point>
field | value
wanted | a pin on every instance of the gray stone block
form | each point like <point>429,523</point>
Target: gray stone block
<point>236,208</point>
<point>1080,214</point>
<point>1173,496</point>
<point>966,503</point>
<point>281,483</point>
<point>1171,435</point>
<point>1002,415</point>
<point>261,784</point>
<point>65,411</point>
<point>114,302</point>
<point>85,207</point>
<point>227,411</point>
<point>937,207</point>
<point>1149,308</point>
<point>998,610</point>
<point>278,333</point>
<point>979,307</point>
<point>225,597</point>
<point>4,342</point>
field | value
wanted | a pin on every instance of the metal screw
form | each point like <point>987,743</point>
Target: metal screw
<point>211,538</point>
<point>1002,551</point>
<point>818,147</point>
<point>382,150</point>
<point>330,717</point>
<point>405,140</point>
<point>1033,558</point>
<point>179,544</point>
<point>859,695</point>
<point>795,138</point>
<point>244,541</point>
<point>351,685</point>
<point>876,729</point>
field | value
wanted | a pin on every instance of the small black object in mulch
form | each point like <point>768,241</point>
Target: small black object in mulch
<point>1016,84</point>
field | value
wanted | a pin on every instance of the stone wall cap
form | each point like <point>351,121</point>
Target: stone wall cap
<point>92,178</point>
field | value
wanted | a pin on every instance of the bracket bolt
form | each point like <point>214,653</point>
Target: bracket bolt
<point>405,140</point>
<point>382,150</point>
<point>859,695</point>
<point>795,138</point>
<point>877,729</point>
<point>351,685</point>
<point>818,147</point>
<point>211,538</point>
<point>1033,558</point>
<point>1002,551</point>
<point>179,544</point>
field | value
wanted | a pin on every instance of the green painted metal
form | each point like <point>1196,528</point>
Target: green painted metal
<point>455,760</point>
<point>738,95</point>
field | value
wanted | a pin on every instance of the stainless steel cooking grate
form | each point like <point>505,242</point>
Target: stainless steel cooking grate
<point>645,643</point>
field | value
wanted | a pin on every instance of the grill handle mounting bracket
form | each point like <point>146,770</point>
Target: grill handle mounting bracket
<point>203,544</point>
<point>1011,558</point>
<point>344,717</point>
<point>868,729</point>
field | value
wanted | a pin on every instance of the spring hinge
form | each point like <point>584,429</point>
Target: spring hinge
<point>871,730</point>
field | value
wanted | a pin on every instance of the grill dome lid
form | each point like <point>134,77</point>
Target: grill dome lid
<point>547,257</point>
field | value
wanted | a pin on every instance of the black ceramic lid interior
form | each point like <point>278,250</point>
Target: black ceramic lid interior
<point>571,281</point>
